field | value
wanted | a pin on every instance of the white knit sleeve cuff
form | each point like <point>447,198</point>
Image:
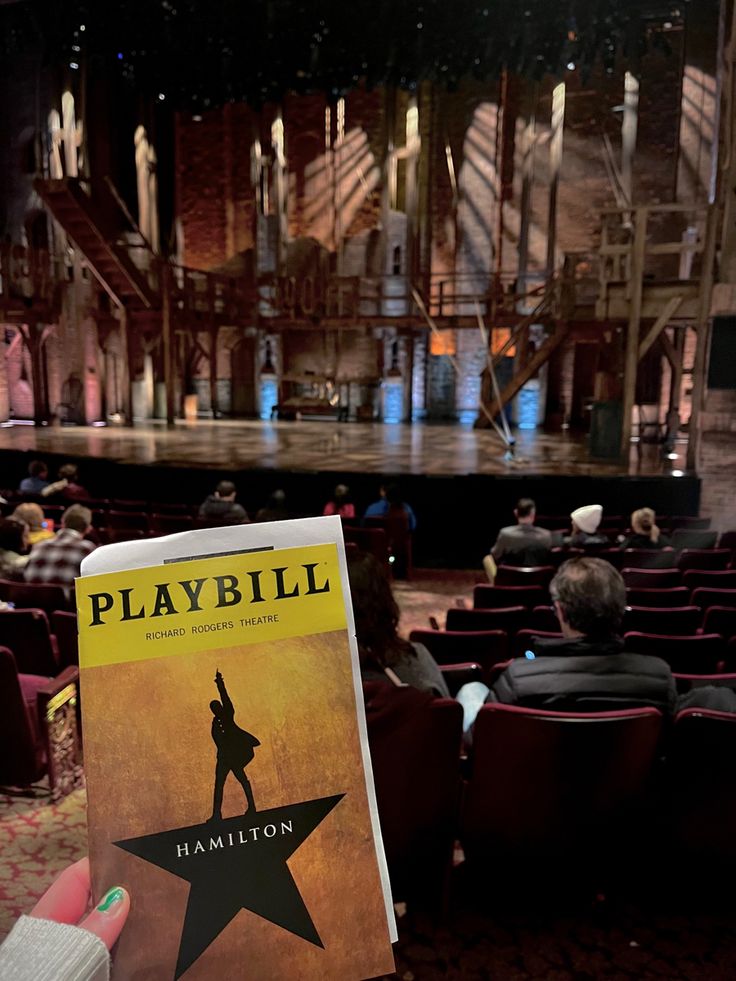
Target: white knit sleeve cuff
<point>41,950</point>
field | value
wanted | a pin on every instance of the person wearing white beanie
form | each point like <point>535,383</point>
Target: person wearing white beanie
<point>585,522</point>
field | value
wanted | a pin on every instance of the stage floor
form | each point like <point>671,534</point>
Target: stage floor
<point>442,450</point>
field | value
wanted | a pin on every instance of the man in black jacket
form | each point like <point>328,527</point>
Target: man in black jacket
<point>586,669</point>
<point>222,506</point>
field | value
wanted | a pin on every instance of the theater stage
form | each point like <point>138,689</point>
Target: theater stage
<point>456,478</point>
<point>419,449</point>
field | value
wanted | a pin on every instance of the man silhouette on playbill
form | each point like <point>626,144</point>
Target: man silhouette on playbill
<point>235,749</point>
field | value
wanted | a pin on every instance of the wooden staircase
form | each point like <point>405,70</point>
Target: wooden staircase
<point>90,225</point>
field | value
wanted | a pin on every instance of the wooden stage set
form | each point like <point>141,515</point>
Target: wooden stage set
<point>457,479</point>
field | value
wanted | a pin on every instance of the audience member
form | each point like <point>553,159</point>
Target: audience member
<point>644,531</point>
<point>340,503</point>
<point>585,522</point>
<point>58,560</point>
<point>522,544</point>
<point>275,509</point>
<point>37,479</point>
<point>586,669</point>
<point>222,506</point>
<point>384,656</point>
<point>32,515</point>
<point>13,548</point>
<point>67,486</point>
<point>391,500</point>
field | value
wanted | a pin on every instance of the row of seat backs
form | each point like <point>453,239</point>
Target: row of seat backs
<point>25,719</point>
<point>696,654</point>
<point>540,781</point>
<point>620,522</point>
<point>634,578</point>
<point>502,597</point>
<point>54,510</point>
<point>652,620</point>
<point>42,645</point>
<point>639,558</point>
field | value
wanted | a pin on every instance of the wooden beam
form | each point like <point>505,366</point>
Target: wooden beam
<point>670,352</point>
<point>629,128</point>
<point>677,366</point>
<point>530,368</point>
<point>213,371</point>
<point>127,367</point>
<point>636,284</point>
<point>555,165</point>
<point>659,324</point>
<point>167,337</point>
<point>702,328</point>
<point>527,185</point>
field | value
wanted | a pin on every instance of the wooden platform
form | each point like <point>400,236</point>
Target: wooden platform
<point>363,448</point>
<point>455,478</point>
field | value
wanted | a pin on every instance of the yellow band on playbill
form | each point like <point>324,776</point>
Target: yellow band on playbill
<point>206,603</point>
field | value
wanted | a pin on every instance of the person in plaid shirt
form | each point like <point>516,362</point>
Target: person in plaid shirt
<point>58,559</point>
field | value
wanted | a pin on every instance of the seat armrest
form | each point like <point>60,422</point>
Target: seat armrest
<point>54,686</point>
<point>457,675</point>
<point>57,717</point>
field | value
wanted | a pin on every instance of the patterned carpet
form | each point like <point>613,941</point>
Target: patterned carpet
<point>37,840</point>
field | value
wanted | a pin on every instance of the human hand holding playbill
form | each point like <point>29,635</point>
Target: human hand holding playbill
<point>60,939</point>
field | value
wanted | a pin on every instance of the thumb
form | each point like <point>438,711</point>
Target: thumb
<point>108,918</point>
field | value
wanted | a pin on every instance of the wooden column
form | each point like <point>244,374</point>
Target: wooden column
<point>555,165</point>
<point>629,129</point>
<point>409,377</point>
<point>676,371</point>
<point>214,330</point>
<point>527,185</point>
<point>411,193</point>
<point>702,327</point>
<point>127,367</point>
<point>636,285</point>
<point>168,344</point>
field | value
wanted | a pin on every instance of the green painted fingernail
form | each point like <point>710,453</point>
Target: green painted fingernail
<point>113,896</point>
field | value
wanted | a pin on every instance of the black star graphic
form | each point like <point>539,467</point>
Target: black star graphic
<point>248,871</point>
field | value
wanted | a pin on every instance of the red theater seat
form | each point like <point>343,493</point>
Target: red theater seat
<point>693,653</point>
<point>501,597</point>
<point>127,519</point>
<point>544,619</point>
<point>709,578</point>
<point>676,596</point>
<point>35,596</point>
<point>415,744</point>
<point>551,784</point>
<point>26,633</point>
<point>705,598</point>
<point>720,620</point>
<point>169,524</point>
<point>486,647</point>
<point>648,558</point>
<point>38,732</point>
<point>702,786</point>
<point>64,628</point>
<point>651,578</point>
<point>680,620</point>
<point>709,558</point>
<point>510,620</point>
<point>532,575</point>
<point>522,642</point>
<point>399,539</point>
<point>688,538</point>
